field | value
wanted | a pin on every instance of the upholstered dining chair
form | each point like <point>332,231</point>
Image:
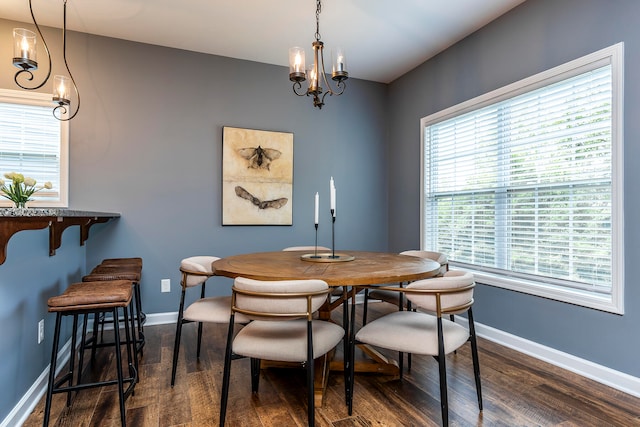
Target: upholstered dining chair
<point>396,298</point>
<point>282,329</point>
<point>427,331</point>
<point>195,272</point>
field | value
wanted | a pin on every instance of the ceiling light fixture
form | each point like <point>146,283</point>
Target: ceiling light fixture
<point>24,57</point>
<point>316,74</point>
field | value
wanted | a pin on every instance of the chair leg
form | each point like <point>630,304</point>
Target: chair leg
<point>352,352</point>
<point>116,333</point>
<point>345,343</point>
<point>366,304</point>
<point>83,342</point>
<point>199,344</point>
<point>255,375</point>
<point>130,322</point>
<point>72,359</point>
<point>474,354</point>
<point>52,369</point>
<point>444,401</point>
<point>310,376</point>
<point>176,344</point>
<point>226,373</point>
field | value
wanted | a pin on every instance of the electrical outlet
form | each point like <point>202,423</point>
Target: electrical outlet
<point>165,285</point>
<point>40,331</point>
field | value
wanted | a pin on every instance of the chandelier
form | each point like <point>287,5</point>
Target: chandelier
<point>316,74</point>
<point>24,57</point>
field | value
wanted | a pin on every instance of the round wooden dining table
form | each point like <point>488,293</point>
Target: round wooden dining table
<point>366,268</point>
<point>350,269</point>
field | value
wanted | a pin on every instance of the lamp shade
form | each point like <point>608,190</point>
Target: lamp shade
<point>24,48</point>
<point>296,64</point>
<point>61,90</point>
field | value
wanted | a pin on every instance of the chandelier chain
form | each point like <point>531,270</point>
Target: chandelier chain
<point>318,10</point>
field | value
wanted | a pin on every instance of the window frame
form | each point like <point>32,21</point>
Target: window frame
<point>44,100</point>
<point>613,55</point>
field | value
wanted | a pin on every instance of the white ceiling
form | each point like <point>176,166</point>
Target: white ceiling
<point>383,39</point>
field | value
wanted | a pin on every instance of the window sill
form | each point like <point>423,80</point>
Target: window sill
<point>609,303</point>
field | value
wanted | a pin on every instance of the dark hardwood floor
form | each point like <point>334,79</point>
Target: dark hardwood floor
<point>517,391</point>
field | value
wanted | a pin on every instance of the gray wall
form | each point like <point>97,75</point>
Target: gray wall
<point>536,36</point>
<point>147,143</point>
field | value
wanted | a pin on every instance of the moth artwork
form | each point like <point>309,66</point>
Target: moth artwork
<point>276,204</point>
<point>258,157</point>
<point>257,177</point>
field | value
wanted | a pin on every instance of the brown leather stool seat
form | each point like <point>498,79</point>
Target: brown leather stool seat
<point>83,299</point>
<point>123,261</point>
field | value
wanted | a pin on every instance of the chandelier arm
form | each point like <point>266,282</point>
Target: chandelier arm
<point>296,87</point>
<point>61,109</point>
<point>29,76</point>
<point>341,85</point>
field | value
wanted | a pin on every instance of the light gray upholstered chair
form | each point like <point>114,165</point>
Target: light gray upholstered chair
<point>428,331</point>
<point>283,329</point>
<point>398,298</point>
<point>195,272</point>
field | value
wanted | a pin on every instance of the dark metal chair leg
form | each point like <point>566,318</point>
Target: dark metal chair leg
<point>226,374</point>
<point>52,370</point>
<point>176,345</point>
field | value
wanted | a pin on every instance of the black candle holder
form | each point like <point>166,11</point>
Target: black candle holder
<point>333,235</point>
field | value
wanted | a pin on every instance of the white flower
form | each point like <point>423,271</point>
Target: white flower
<point>29,181</point>
<point>48,185</point>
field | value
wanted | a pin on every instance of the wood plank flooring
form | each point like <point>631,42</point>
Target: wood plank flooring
<point>517,391</point>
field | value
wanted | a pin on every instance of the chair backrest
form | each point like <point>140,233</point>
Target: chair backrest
<point>453,292</point>
<point>439,257</point>
<point>278,300</point>
<point>196,270</point>
<point>306,248</point>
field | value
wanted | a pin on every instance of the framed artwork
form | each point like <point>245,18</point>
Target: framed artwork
<point>257,177</point>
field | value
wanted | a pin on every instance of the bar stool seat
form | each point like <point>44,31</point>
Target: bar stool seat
<point>82,299</point>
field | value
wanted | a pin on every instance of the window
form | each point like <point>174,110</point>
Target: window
<point>33,142</point>
<point>523,185</point>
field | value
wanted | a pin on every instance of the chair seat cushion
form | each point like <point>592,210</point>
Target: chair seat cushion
<point>213,310</point>
<point>387,296</point>
<point>286,341</point>
<point>412,332</point>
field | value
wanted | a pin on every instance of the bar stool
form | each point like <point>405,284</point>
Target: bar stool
<point>82,299</point>
<point>123,271</point>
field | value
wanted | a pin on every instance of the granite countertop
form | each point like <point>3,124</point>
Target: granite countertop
<point>57,212</point>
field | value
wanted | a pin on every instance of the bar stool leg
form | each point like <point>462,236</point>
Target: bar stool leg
<point>131,339</point>
<point>116,333</point>
<point>52,369</point>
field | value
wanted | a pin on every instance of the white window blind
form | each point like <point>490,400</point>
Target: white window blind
<point>33,142</point>
<point>522,187</point>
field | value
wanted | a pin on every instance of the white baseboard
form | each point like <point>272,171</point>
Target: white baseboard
<point>610,377</point>
<point>615,379</point>
<point>22,410</point>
